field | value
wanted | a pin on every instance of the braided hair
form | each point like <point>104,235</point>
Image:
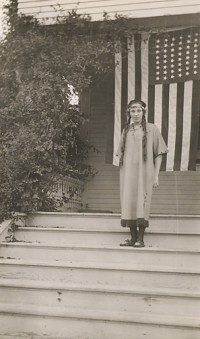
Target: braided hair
<point>127,127</point>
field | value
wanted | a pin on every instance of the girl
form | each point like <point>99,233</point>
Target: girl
<point>140,155</point>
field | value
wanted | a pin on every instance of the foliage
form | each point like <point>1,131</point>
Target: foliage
<point>40,129</point>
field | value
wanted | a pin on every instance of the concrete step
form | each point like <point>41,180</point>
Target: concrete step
<point>107,274</point>
<point>77,237</point>
<point>146,255</point>
<point>110,298</point>
<point>158,223</point>
<point>89,323</point>
<point>71,279</point>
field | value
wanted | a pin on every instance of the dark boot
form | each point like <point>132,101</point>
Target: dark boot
<point>133,231</point>
<point>133,240</point>
<point>140,239</point>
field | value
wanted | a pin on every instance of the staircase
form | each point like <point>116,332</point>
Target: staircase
<point>66,276</point>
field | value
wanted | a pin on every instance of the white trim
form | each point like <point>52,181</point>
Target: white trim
<point>117,111</point>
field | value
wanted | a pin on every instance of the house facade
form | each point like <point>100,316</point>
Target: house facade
<point>179,191</point>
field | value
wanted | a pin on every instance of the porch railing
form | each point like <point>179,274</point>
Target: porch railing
<point>71,191</point>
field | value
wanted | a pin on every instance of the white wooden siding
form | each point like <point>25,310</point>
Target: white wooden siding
<point>178,192</point>
<point>45,9</point>
<point>102,192</point>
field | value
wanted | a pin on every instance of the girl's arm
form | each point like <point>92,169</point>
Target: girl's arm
<point>158,161</point>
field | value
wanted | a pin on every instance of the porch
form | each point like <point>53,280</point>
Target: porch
<point>178,192</point>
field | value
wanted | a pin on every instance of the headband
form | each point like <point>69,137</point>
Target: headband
<point>140,102</point>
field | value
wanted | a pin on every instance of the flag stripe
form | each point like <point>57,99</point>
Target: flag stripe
<point>165,111</point>
<point>138,71</point>
<point>117,117</point>
<point>151,103</point>
<point>186,125</point>
<point>179,126</point>
<point>124,80</point>
<point>131,70</point>
<point>158,106</point>
<point>172,127</point>
<point>145,69</point>
<point>194,124</point>
<point>165,120</point>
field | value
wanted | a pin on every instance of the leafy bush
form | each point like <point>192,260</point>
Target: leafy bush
<point>40,129</point>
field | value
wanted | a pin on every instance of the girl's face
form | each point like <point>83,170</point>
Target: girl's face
<point>136,113</point>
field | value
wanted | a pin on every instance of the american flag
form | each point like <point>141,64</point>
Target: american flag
<point>164,71</point>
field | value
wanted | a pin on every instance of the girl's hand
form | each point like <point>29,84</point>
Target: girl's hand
<point>156,182</point>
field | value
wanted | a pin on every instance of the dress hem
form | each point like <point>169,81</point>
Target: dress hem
<point>134,222</point>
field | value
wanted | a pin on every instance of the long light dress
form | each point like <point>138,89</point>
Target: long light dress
<point>137,176</point>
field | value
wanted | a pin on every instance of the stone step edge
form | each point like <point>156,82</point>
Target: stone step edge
<point>99,315</point>
<point>90,265</point>
<point>23,335</point>
<point>26,336</point>
<point>116,215</point>
<point>136,290</point>
<point>106,247</point>
<point>99,230</point>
